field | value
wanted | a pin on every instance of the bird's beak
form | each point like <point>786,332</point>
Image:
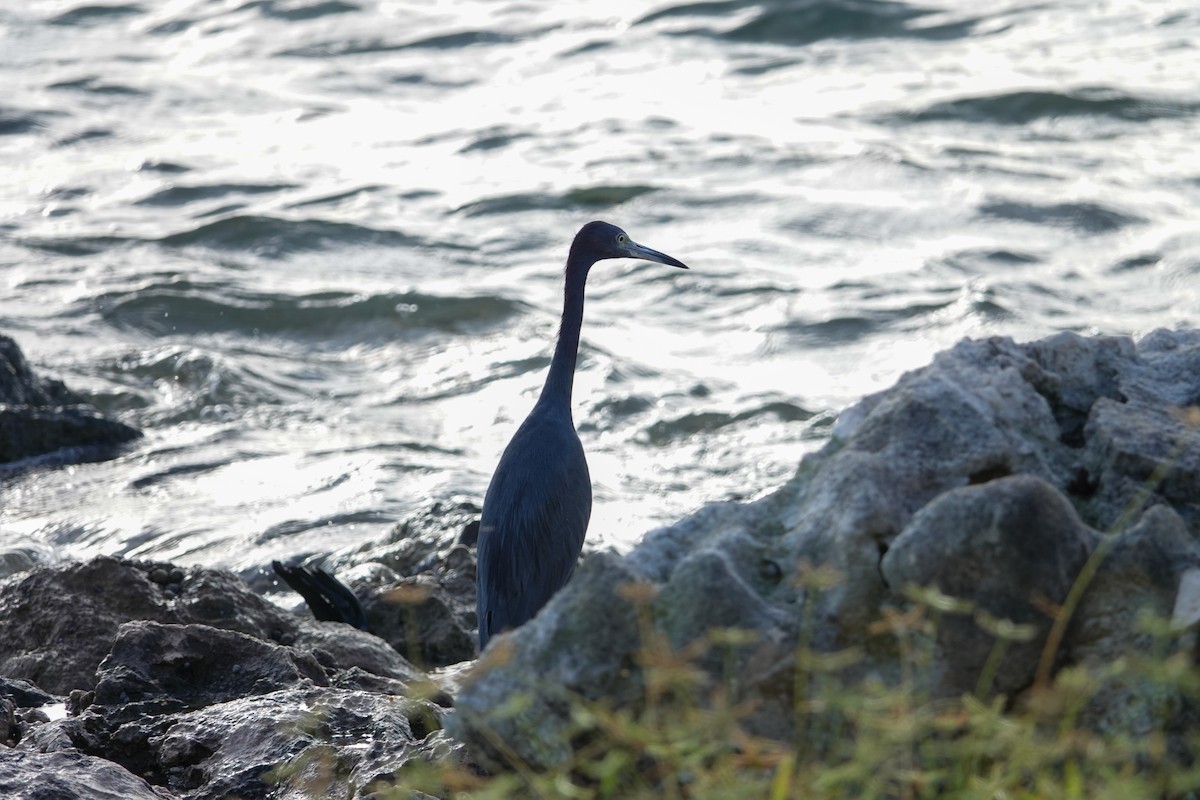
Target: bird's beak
<point>635,250</point>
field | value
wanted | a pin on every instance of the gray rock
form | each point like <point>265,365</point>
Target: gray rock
<point>1139,578</point>
<point>1011,548</point>
<point>39,416</point>
<point>189,666</point>
<point>60,622</point>
<point>211,713</point>
<point>55,776</point>
<point>428,611</point>
<point>574,641</point>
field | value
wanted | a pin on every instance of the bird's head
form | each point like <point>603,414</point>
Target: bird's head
<point>599,240</point>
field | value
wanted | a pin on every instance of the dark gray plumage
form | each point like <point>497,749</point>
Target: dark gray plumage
<point>537,506</point>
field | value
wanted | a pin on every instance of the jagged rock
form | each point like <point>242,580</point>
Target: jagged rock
<point>1139,578</point>
<point>1011,548</point>
<point>49,776</point>
<point>1091,426</point>
<point>189,666</point>
<point>417,588</point>
<point>574,642</point>
<point>60,622</point>
<point>201,711</point>
<point>427,612</point>
<point>211,713</point>
<point>24,694</point>
<point>40,416</point>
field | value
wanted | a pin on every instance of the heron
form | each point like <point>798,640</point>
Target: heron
<point>538,503</point>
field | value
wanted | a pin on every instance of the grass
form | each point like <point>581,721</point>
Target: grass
<point>690,737</point>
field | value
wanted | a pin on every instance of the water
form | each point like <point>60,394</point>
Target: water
<point>314,248</point>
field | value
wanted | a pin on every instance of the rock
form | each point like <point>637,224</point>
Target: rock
<point>1141,576</point>
<point>190,666</point>
<point>60,622</point>
<point>990,473</point>
<point>347,647</point>
<point>1011,548</point>
<point>213,713</point>
<point>25,694</point>
<point>1186,614</point>
<point>39,416</point>
<point>39,776</point>
<point>418,617</point>
<point>427,611</point>
<point>572,639</point>
<point>200,711</point>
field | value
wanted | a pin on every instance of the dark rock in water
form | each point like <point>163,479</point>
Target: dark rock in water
<point>39,416</point>
<point>24,694</point>
<point>204,692</point>
<point>991,474</point>
<point>212,713</point>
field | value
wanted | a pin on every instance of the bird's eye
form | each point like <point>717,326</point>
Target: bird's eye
<point>620,238</point>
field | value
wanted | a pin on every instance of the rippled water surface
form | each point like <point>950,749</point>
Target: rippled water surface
<point>314,248</point>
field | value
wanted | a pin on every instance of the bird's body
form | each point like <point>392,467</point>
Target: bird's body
<point>537,506</point>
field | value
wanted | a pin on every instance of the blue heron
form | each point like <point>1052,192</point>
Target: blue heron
<point>537,506</point>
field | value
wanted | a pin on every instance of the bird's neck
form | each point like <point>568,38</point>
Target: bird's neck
<point>561,377</point>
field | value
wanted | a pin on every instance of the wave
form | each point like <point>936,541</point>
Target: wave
<point>93,84</point>
<point>1022,107</point>
<point>298,13</point>
<point>446,41</point>
<point>181,195</point>
<point>1084,217</point>
<point>185,383</point>
<point>667,431</point>
<point>95,14</point>
<point>22,120</point>
<point>803,22</point>
<point>273,237</point>
<point>592,197</point>
<point>186,308</point>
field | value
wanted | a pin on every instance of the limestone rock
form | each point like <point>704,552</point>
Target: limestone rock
<point>1012,549</point>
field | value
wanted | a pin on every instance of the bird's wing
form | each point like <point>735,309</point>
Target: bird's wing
<point>534,520</point>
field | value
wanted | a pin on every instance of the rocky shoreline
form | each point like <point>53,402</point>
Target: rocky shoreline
<point>997,475</point>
